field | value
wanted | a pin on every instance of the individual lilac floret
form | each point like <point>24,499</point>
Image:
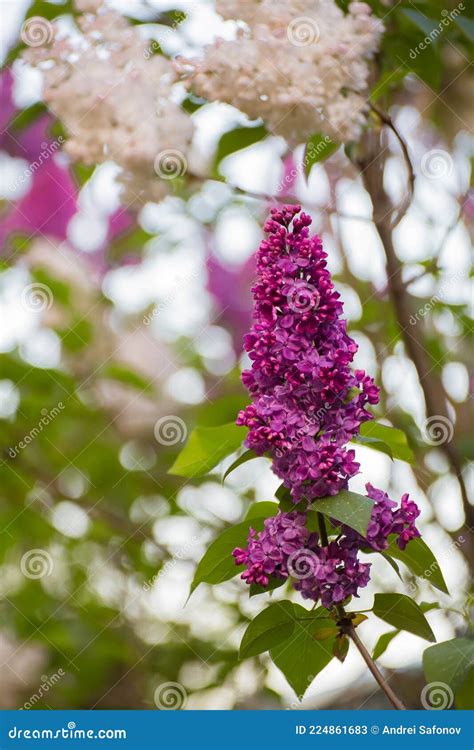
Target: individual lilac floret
<point>307,403</point>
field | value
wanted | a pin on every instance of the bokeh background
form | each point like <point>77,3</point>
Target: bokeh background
<point>122,330</point>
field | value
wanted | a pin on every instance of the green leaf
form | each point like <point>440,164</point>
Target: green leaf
<point>273,583</point>
<point>420,560</point>
<point>265,509</point>
<point>192,103</point>
<point>126,376</point>
<point>375,444</point>
<point>383,643</point>
<point>83,172</point>
<point>403,51</point>
<point>467,26</point>
<point>237,139</point>
<point>452,663</point>
<point>60,290</point>
<point>427,25</point>
<point>217,564</point>
<point>221,411</point>
<point>392,563</point>
<point>206,447</point>
<point>301,657</point>
<point>320,614</point>
<point>322,634</point>
<point>270,627</point>
<point>347,507</point>
<point>247,456</point>
<point>318,148</point>
<point>403,613</point>
<point>395,439</point>
<point>284,498</point>
<point>341,647</point>
<point>27,116</point>
<point>78,336</point>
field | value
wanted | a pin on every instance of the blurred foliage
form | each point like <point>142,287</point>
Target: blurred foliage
<point>89,616</point>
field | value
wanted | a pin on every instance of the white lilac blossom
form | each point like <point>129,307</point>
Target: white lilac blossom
<point>115,102</point>
<point>301,65</point>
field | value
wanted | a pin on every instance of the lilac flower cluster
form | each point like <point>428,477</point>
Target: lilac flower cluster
<point>268,552</point>
<point>286,548</point>
<point>386,521</point>
<point>307,403</point>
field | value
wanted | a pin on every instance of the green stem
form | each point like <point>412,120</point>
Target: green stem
<point>322,530</point>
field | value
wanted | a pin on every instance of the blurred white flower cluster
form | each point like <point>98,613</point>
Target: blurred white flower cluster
<point>116,101</point>
<point>301,65</point>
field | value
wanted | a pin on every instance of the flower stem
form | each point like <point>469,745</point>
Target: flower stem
<point>394,700</point>
<point>345,623</point>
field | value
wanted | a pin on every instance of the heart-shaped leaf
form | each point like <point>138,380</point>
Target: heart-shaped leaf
<point>349,508</point>
<point>301,657</point>
<point>206,447</point>
<point>270,627</point>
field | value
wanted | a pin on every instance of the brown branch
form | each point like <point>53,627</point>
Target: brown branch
<point>387,120</point>
<point>394,700</point>
<point>347,627</point>
<point>372,165</point>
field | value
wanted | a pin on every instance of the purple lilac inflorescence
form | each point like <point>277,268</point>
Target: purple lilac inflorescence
<point>285,548</point>
<point>307,405</point>
<point>307,402</point>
